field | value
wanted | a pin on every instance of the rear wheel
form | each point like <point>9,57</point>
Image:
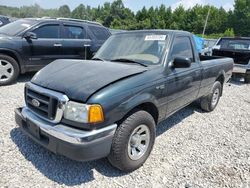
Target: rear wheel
<point>209,102</point>
<point>133,141</point>
<point>9,70</point>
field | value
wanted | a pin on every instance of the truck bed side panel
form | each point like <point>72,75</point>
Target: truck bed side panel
<point>212,69</point>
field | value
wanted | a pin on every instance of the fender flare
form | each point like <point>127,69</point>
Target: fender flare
<point>223,74</point>
<point>17,56</point>
<point>136,101</point>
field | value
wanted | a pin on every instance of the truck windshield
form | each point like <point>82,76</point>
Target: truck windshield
<point>234,44</point>
<point>16,27</point>
<point>140,48</point>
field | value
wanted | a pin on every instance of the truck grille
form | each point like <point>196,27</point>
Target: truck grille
<point>45,103</point>
<point>42,104</point>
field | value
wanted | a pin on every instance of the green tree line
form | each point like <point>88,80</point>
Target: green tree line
<point>115,15</point>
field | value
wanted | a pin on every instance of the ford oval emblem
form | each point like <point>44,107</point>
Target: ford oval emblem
<point>35,102</point>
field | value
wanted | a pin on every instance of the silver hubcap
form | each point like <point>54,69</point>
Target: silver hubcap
<point>6,70</point>
<point>138,142</point>
<point>215,97</point>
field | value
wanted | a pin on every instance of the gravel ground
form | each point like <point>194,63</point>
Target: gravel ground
<point>192,149</point>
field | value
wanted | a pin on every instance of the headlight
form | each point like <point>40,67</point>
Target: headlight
<point>83,113</point>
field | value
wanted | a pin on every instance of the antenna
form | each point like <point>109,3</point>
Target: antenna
<point>205,26</point>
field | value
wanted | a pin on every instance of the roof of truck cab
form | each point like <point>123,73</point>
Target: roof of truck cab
<point>153,30</point>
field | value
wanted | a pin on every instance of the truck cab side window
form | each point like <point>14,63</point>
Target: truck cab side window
<point>182,47</point>
<point>47,31</point>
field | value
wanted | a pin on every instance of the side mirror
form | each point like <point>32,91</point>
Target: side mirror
<point>30,35</point>
<point>181,62</point>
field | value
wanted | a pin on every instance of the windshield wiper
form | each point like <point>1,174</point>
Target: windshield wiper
<point>98,59</point>
<point>124,60</point>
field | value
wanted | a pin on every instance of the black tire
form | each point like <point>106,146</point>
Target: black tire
<point>247,78</point>
<point>16,70</point>
<point>119,156</point>
<point>207,104</point>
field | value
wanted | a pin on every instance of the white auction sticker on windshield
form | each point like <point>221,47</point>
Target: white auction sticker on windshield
<point>155,37</point>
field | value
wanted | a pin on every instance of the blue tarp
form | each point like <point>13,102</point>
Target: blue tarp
<point>199,43</point>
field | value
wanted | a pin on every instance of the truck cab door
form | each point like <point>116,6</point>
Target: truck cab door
<point>45,46</point>
<point>76,44</point>
<point>182,84</point>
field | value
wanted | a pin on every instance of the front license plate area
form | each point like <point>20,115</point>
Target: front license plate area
<point>33,129</point>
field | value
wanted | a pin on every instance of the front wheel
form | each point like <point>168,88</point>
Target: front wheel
<point>133,142</point>
<point>209,102</point>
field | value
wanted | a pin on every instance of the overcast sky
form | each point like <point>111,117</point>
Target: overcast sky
<point>132,4</point>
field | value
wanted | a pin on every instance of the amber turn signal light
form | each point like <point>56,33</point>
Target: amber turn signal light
<point>95,114</point>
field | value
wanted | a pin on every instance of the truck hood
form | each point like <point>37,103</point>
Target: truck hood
<point>79,79</point>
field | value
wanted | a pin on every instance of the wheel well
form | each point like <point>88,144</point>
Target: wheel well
<point>221,79</point>
<point>11,54</point>
<point>148,107</point>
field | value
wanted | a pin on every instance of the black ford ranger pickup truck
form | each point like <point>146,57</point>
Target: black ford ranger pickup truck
<point>109,106</point>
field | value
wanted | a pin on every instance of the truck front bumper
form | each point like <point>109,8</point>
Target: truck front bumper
<point>73,143</point>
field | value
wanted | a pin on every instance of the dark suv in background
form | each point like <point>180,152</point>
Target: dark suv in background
<point>4,20</point>
<point>30,44</point>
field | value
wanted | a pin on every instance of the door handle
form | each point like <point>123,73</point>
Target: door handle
<point>57,45</point>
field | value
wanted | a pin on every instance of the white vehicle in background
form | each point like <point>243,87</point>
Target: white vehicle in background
<point>204,46</point>
<point>208,46</point>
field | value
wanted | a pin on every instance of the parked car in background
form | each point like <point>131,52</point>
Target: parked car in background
<point>110,105</point>
<point>4,20</point>
<point>208,46</point>
<point>30,44</point>
<point>239,50</point>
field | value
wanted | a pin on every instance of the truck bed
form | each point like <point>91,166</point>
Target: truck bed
<point>206,58</point>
